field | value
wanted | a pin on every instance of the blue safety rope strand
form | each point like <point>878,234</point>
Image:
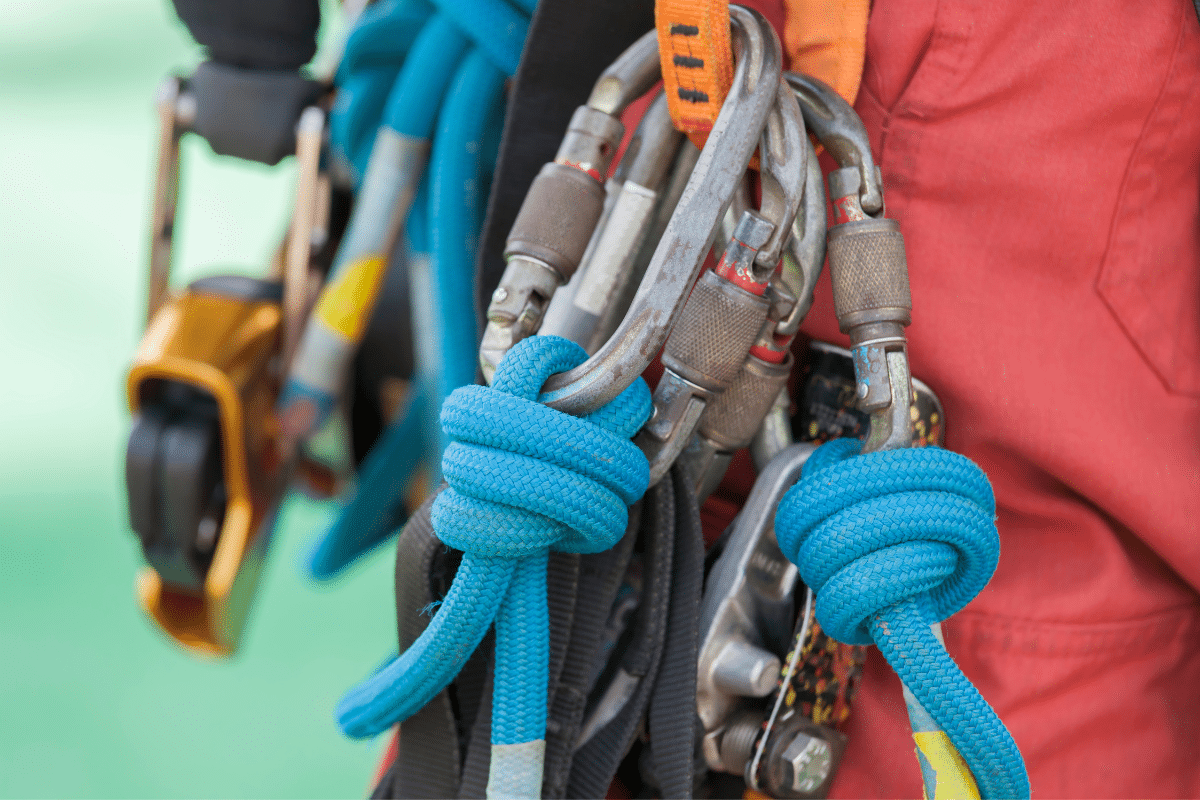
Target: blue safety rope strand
<point>892,542</point>
<point>456,200</point>
<point>449,90</point>
<point>523,478</point>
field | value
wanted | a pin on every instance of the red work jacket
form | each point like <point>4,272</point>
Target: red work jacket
<point>1043,160</point>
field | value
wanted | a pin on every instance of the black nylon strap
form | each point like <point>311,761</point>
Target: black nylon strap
<point>570,43</point>
<point>673,719</point>
<point>479,749</point>
<point>600,577</point>
<point>596,762</point>
<point>562,593</point>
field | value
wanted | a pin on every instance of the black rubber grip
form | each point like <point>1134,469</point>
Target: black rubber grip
<point>263,34</point>
<point>250,114</point>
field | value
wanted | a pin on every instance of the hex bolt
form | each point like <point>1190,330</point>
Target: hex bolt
<point>801,758</point>
<point>807,762</point>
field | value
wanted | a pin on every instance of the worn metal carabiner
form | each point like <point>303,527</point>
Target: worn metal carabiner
<point>608,264</point>
<point>733,419</point>
<point>840,131</point>
<point>873,304</point>
<point>563,206</point>
<point>868,268</point>
<point>726,311</point>
<point>679,257</point>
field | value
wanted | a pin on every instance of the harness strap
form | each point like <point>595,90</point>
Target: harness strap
<point>599,579</point>
<point>613,722</point>
<point>427,754</point>
<point>828,40</point>
<point>673,719</point>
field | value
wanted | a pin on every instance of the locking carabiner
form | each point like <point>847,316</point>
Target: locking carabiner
<point>563,206</point>
<point>873,304</point>
<point>728,307</point>
<point>608,264</point>
<point>867,265</point>
<point>733,419</point>
<point>679,257</point>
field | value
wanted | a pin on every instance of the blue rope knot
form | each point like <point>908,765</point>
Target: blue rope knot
<point>891,542</point>
<point>523,478</point>
<point>871,531</point>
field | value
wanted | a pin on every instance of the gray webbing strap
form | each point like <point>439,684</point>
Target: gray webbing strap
<point>600,576</point>
<point>627,695</point>
<point>673,719</point>
<point>479,747</point>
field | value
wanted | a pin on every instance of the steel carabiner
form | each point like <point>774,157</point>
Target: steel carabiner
<point>679,256</point>
<point>727,309</point>
<point>563,206</point>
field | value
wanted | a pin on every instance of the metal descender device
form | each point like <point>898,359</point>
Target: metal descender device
<point>203,472</point>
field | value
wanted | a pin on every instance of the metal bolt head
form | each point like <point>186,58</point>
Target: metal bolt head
<point>806,763</point>
<point>500,295</point>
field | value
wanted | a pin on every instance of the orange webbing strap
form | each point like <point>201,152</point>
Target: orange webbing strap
<point>697,61</point>
<point>826,39</point>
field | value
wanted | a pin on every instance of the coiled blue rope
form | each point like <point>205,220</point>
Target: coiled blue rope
<point>892,542</point>
<point>523,478</point>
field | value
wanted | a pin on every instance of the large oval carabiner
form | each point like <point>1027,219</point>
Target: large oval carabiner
<point>679,257</point>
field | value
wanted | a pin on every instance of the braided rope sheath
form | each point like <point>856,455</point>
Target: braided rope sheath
<point>892,542</point>
<point>523,478</point>
<point>435,75</point>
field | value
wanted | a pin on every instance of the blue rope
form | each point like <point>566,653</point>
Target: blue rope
<point>428,73</point>
<point>456,200</point>
<point>892,542</point>
<point>523,478</point>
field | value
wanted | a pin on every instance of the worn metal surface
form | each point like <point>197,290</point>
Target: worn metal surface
<point>841,132</point>
<point>748,598</point>
<point>679,257</point>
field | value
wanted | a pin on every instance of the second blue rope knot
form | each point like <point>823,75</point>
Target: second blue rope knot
<point>892,542</point>
<point>870,531</point>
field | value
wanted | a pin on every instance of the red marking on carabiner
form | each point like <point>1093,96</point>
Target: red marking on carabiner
<point>846,209</point>
<point>592,171</point>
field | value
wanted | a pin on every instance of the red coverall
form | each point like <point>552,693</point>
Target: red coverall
<point>1043,159</point>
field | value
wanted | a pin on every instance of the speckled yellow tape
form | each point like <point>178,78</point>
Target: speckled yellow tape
<point>345,304</point>
<point>954,779</point>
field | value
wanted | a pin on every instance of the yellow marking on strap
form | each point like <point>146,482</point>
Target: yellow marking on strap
<point>954,779</point>
<point>345,304</point>
<point>697,61</point>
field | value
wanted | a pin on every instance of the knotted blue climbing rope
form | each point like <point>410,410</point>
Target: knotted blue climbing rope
<point>419,85</point>
<point>892,542</point>
<point>523,479</point>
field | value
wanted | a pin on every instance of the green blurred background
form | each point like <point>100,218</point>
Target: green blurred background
<point>94,702</point>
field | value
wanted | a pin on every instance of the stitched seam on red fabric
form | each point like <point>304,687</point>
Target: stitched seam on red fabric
<point>939,62</point>
<point>1037,639</point>
<point>1137,182</point>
